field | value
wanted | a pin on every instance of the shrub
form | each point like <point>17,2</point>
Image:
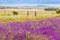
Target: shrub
<point>15,13</point>
<point>58,11</point>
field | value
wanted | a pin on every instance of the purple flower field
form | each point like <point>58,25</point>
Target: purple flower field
<point>48,29</point>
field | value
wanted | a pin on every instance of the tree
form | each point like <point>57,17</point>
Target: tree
<point>58,11</point>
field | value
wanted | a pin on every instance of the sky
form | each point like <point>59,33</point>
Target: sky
<point>28,2</point>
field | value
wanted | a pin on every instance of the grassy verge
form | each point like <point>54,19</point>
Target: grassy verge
<point>27,18</point>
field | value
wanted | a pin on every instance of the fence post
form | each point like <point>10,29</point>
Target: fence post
<point>27,13</point>
<point>35,13</point>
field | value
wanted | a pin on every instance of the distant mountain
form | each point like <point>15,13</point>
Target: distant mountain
<point>25,7</point>
<point>33,7</point>
<point>7,7</point>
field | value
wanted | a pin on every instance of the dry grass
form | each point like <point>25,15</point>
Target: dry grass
<point>22,14</point>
